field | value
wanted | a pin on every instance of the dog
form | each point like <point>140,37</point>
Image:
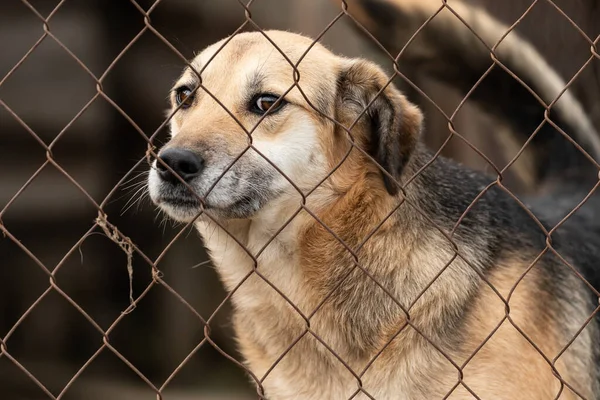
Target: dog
<point>360,264</point>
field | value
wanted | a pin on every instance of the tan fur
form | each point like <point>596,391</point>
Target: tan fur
<point>519,370</point>
<point>312,268</point>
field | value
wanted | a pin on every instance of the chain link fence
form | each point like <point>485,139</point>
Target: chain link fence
<point>101,300</point>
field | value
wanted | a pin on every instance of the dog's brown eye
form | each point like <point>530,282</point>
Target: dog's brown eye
<point>266,102</point>
<point>184,97</point>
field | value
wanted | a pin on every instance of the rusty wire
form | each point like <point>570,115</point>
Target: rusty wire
<point>103,220</point>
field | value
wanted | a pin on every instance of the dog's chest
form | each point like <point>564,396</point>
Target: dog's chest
<point>267,324</point>
<point>310,371</point>
<point>247,258</point>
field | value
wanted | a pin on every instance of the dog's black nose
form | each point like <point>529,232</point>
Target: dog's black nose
<point>185,163</point>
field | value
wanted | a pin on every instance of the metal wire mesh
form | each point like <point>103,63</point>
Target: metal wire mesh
<point>103,221</point>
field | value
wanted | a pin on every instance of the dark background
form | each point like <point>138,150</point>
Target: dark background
<point>54,340</point>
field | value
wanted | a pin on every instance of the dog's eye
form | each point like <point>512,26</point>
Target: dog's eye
<point>184,97</point>
<point>266,102</point>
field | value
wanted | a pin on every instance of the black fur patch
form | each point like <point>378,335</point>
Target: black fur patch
<point>357,89</point>
<point>383,141</point>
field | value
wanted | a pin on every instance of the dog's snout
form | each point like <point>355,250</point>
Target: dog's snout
<point>185,163</point>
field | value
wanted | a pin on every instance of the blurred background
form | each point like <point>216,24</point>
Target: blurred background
<point>54,340</point>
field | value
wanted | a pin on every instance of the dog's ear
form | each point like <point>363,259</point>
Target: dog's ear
<point>391,122</point>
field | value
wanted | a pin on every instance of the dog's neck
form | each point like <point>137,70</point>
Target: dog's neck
<point>312,263</point>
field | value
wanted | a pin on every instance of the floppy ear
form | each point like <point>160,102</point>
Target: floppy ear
<point>391,123</point>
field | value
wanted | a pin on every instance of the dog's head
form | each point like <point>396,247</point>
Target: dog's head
<point>245,135</point>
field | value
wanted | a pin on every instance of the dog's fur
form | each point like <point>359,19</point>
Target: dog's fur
<point>456,51</point>
<point>370,243</point>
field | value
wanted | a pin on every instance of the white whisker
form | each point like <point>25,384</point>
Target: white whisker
<point>135,198</point>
